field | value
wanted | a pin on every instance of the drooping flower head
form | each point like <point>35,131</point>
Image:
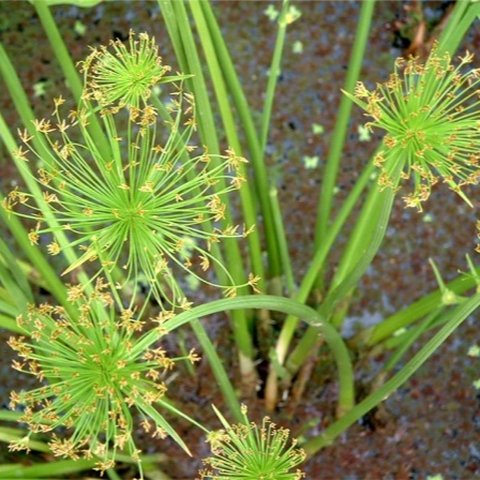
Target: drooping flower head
<point>143,204</point>
<point>431,115</point>
<point>124,75</point>
<point>249,451</point>
<point>94,372</point>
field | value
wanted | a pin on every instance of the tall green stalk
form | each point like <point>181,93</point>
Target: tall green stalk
<point>273,74</point>
<point>275,304</point>
<point>249,211</point>
<point>253,143</point>
<point>288,329</point>
<point>341,125</point>
<point>180,33</point>
<point>14,278</point>
<point>361,249</point>
<point>416,310</point>
<point>327,437</point>
<point>462,17</point>
<point>43,267</point>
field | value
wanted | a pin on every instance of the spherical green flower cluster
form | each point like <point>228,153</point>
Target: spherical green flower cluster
<point>247,451</point>
<point>94,371</point>
<point>124,74</point>
<point>143,204</point>
<point>431,114</point>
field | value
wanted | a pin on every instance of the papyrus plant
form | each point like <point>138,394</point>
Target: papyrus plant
<point>93,376</point>
<point>247,450</point>
<point>122,155</point>
<point>141,205</point>
<point>147,206</point>
<point>430,113</point>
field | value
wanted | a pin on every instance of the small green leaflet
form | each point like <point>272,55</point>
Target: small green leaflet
<point>40,88</point>
<point>271,12</point>
<point>363,133</point>
<point>297,47</point>
<point>79,28</point>
<point>474,351</point>
<point>310,162</point>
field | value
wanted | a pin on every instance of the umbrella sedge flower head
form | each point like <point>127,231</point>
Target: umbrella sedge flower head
<point>248,451</point>
<point>93,371</point>
<point>143,203</point>
<point>124,74</point>
<point>431,115</point>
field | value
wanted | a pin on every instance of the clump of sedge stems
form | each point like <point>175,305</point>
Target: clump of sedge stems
<point>150,203</point>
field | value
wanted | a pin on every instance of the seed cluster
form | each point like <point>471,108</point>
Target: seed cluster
<point>431,115</point>
<point>93,371</point>
<point>246,450</point>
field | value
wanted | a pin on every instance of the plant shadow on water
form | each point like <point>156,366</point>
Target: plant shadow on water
<point>432,424</point>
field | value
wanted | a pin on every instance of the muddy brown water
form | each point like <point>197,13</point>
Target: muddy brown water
<point>432,424</point>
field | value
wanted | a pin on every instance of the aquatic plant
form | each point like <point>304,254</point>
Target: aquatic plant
<point>93,375</point>
<point>118,190</point>
<point>247,450</point>
<point>143,204</point>
<point>430,112</point>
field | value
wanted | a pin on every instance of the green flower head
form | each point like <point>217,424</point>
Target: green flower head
<point>431,115</point>
<point>247,451</point>
<point>94,372</point>
<point>124,74</point>
<point>151,202</point>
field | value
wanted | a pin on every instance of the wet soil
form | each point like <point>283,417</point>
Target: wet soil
<point>432,424</point>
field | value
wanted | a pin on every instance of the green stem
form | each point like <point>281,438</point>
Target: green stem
<point>52,282</point>
<point>13,279</point>
<point>282,243</point>
<point>338,427</point>
<point>54,469</point>
<point>73,79</point>
<point>463,15</point>
<point>10,324</point>
<point>363,246</point>
<point>14,290</point>
<point>410,340</point>
<point>317,263</point>
<point>180,33</point>
<point>19,277</point>
<point>341,125</point>
<point>417,310</point>
<point>226,113</point>
<point>273,75</point>
<point>364,243</point>
<point>277,304</point>
<point>372,222</point>
<point>253,143</point>
<point>112,475</point>
<point>9,416</point>
<point>218,369</point>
